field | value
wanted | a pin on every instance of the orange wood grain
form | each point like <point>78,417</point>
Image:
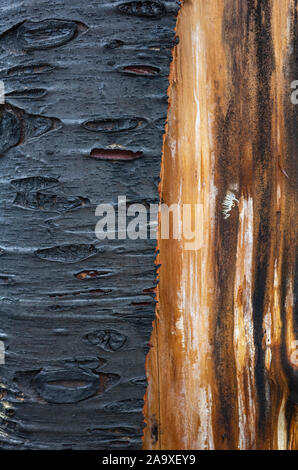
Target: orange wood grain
<point>223,370</point>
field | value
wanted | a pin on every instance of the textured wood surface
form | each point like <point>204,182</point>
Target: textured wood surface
<point>85,90</point>
<point>223,367</point>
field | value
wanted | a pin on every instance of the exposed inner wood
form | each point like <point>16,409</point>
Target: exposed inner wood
<point>82,109</point>
<point>222,369</point>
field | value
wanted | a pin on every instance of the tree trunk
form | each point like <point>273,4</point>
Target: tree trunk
<point>82,124</point>
<point>223,367</point>
<point>85,86</point>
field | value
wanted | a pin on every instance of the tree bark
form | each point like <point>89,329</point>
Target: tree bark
<point>85,87</point>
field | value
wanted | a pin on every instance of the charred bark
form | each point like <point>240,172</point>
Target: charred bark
<point>82,123</point>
